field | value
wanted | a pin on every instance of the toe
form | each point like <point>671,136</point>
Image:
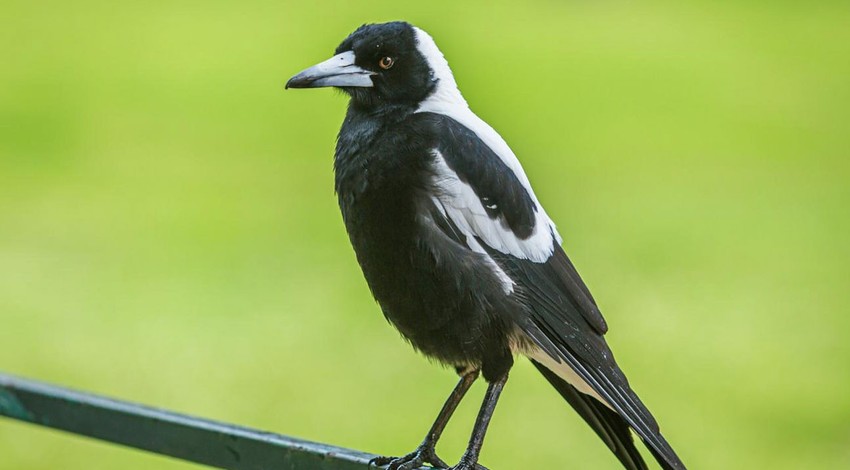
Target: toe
<point>380,461</point>
<point>396,464</point>
<point>408,462</point>
<point>414,460</point>
<point>466,465</point>
<point>412,465</point>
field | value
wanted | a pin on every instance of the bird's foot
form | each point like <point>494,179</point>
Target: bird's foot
<point>467,464</point>
<point>424,454</point>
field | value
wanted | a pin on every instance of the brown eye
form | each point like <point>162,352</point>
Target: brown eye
<point>386,63</point>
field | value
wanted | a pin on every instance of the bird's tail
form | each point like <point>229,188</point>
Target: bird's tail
<point>610,426</point>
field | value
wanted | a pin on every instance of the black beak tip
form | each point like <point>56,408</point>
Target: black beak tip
<point>297,82</point>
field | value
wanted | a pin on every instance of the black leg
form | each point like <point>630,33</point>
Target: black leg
<point>449,408</point>
<point>426,452</point>
<point>469,460</point>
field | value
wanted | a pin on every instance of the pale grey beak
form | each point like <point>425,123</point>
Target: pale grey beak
<point>339,70</point>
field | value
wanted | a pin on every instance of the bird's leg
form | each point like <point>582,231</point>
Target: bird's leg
<point>426,452</point>
<point>469,461</point>
<point>430,443</point>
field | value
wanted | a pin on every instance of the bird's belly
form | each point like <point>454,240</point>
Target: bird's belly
<point>444,313</point>
<point>456,312</point>
<point>419,300</point>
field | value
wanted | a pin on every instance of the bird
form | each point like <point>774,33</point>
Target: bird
<point>457,250</point>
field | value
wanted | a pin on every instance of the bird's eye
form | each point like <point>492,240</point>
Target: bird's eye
<point>386,63</point>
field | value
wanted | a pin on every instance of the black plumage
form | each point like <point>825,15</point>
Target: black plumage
<point>455,247</point>
<point>430,287</point>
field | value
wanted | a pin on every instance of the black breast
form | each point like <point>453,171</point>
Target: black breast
<point>440,295</point>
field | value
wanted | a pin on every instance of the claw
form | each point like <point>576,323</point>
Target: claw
<point>424,454</point>
<point>419,457</point>
<point>380,461</point>
<point>462,465</point>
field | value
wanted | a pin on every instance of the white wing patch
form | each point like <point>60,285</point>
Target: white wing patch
<point>467,207</point>
<point>507,283</point>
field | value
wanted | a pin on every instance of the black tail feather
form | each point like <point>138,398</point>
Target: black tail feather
<point>608,425</point>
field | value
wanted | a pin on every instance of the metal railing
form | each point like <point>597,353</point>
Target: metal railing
<point>164,432</point>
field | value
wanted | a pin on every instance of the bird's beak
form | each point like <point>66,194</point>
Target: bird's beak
<point>339,70</point>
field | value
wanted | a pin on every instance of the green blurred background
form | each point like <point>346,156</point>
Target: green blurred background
<point>169,233</point>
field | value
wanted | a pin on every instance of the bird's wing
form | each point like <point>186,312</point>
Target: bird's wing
<point>483,193</point>
<point>487,196</point>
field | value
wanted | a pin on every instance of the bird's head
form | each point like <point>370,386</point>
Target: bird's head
<point>384,65</point>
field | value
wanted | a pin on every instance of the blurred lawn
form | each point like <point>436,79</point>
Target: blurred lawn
<point>169,234</point>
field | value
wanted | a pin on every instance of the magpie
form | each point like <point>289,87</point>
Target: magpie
<point>457,250</point>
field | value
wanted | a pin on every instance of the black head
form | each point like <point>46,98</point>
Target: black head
<point>378,65</point>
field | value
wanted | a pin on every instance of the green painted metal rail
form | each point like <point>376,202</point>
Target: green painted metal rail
<point>164,432</point>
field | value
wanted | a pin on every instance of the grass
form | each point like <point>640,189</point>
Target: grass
<point>168,231</point>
